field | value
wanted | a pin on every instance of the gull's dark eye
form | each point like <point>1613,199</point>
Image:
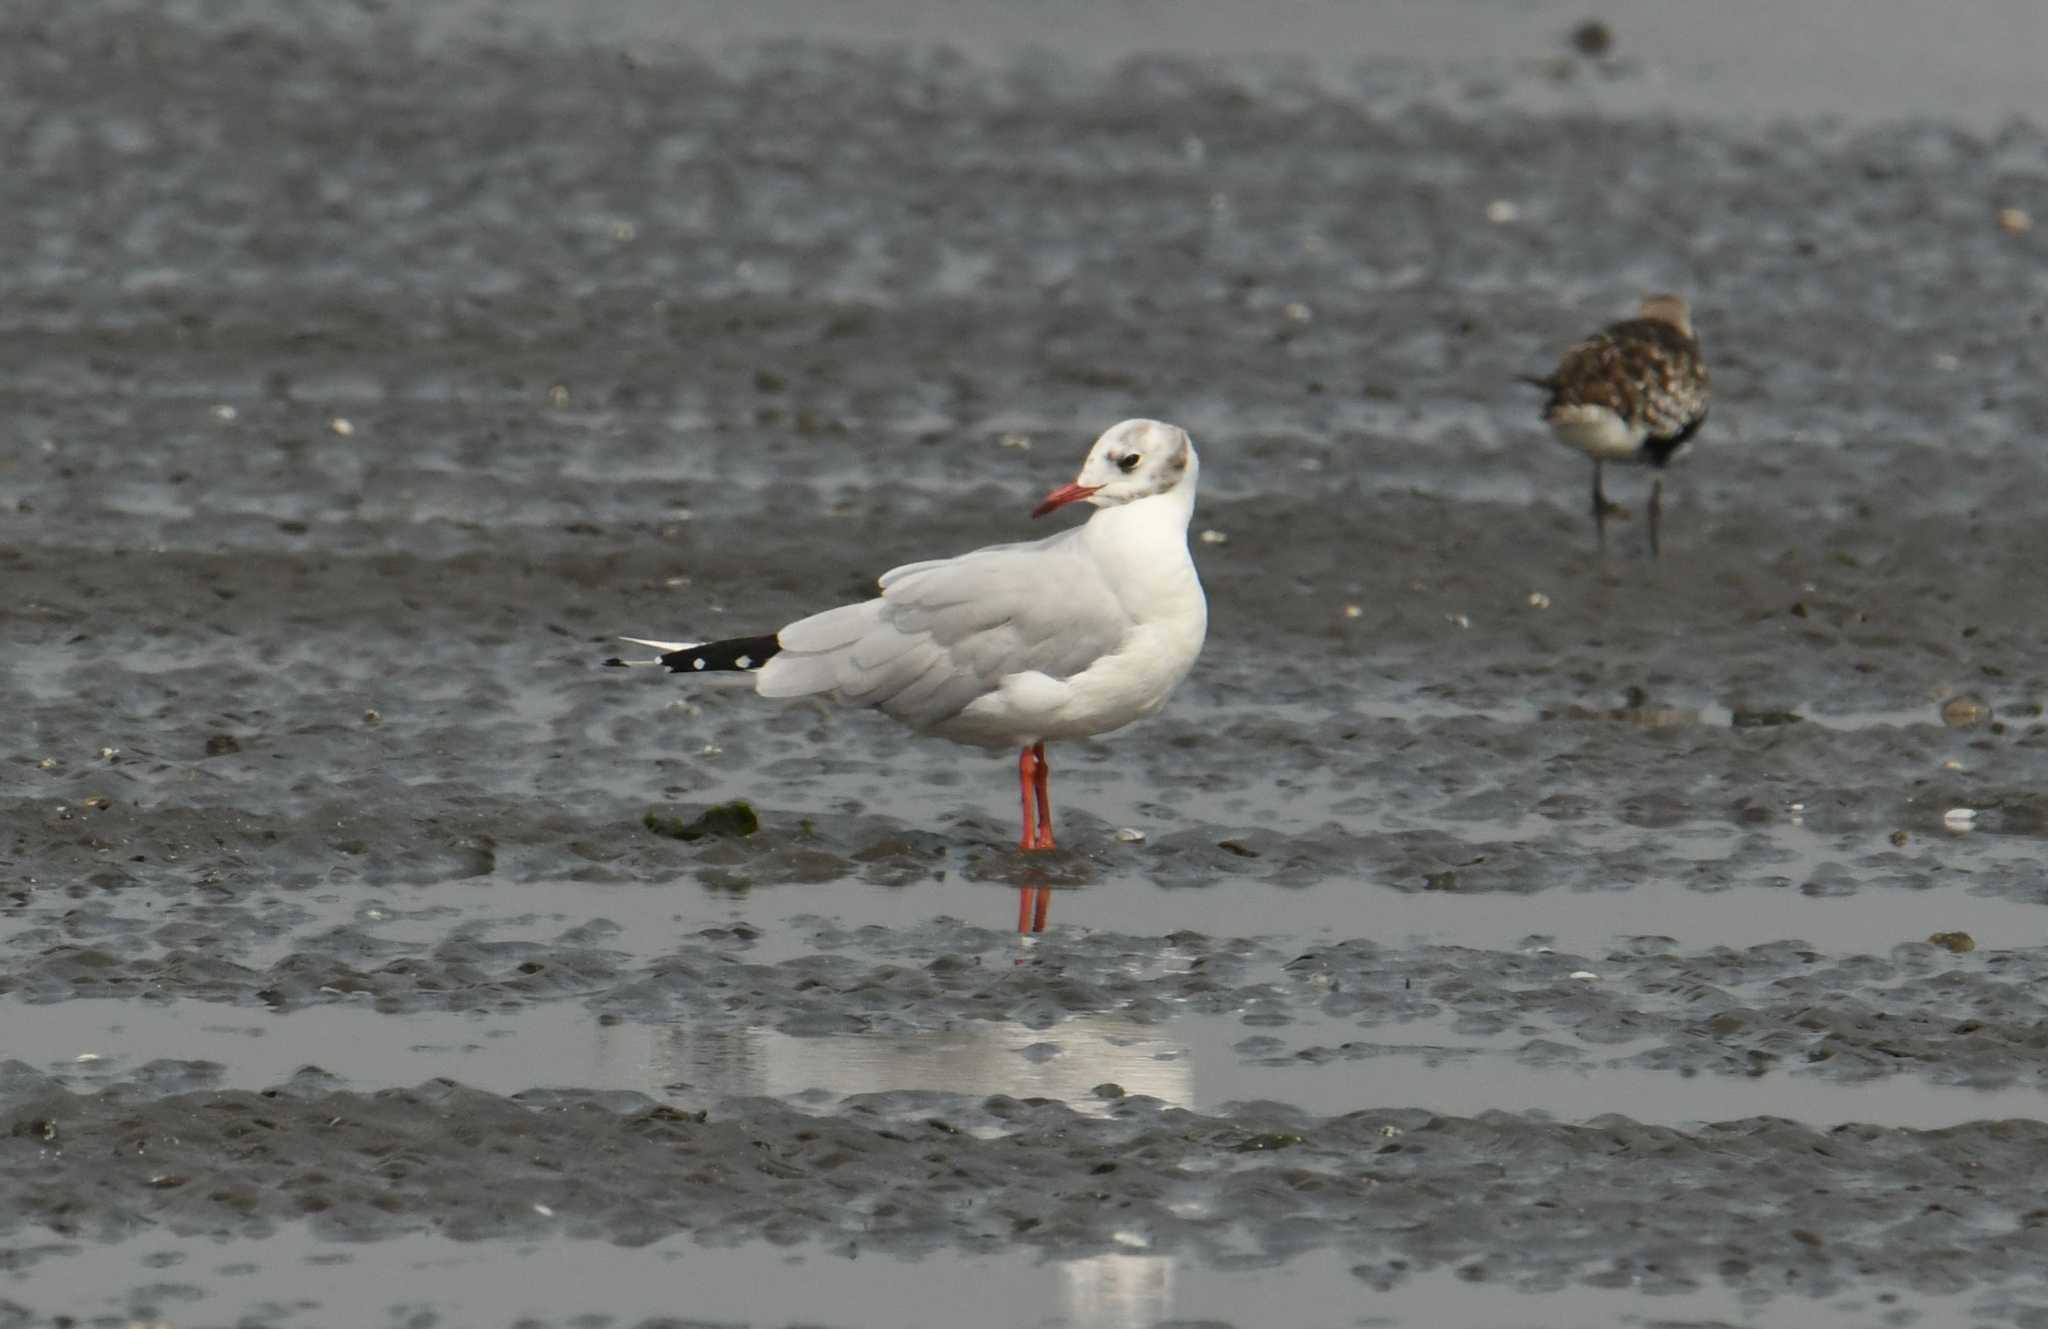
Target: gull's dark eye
<point>1128,463</point>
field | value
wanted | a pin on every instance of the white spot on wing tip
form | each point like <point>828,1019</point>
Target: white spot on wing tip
<point>745,662</point>
<point>697,663</point>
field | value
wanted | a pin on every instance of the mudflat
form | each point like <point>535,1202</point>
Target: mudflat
<point>1488,932</point>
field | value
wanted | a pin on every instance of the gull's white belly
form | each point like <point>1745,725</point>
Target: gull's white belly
<point>1128,684</point>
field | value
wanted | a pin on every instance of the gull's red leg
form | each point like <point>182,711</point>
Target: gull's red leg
<point>1042,784</point>
<point>1024,894</point>
<point>1026,776</point>
<point>1038,915</point>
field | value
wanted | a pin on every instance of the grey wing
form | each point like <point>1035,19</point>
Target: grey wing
<point>949,631</point>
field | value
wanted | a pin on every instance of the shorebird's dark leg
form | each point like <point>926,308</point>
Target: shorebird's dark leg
<point>1599,509</point>
<point>1027,774</point>
<point>1043,786</point>
<point>1656,507</point>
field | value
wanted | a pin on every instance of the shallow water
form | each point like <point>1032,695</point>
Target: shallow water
<point>1487,933</point>
<point>1204,1063</point>
<point>294,1282</point>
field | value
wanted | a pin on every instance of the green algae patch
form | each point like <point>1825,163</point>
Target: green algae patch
<point>724,820</point>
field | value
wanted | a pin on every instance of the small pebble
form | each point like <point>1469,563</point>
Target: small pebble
<point>343,426</point>
<point>1592,38</point>
<point>224,412</point>
<point>1962,943</point>
<point>1354,611</point>
<point>1585,975</point>
<point>1297,312</point>
<point>1021,442</point>
<point>86,1057</point>
<point>625,232</point>
<point>108,754</point>
<point>1458,620</point>
<point>1960,820</point>
<point>1947,363</point>
<point>543,1211</point>
<point>1900,839</point>
<point>2015,221</point>
<point>1964,712</point>
<point>1500,212</point>
<point>1130,835</point>
<point>1215,537</point>
<point>1538,600</point>
<point>373,716</point>
<point>46,764</point>
<point>558,395</point>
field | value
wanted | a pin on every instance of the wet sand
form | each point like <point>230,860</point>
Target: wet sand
<point>1515,937</point>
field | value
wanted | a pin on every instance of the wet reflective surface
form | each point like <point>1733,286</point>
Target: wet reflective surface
<point>287,1281</point>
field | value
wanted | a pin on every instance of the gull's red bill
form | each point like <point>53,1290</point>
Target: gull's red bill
<point>1065,494</point>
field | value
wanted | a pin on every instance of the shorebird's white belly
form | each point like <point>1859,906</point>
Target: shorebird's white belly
<point>1597,431</point>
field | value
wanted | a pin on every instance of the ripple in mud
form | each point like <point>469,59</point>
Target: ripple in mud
<point>1743,1201</point>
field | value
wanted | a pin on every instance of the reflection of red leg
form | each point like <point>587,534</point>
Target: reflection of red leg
<point>1043,788</point>
<point>1031,907</point>
<point>1027,773</point>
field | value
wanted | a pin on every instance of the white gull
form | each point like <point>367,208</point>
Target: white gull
<point>1014,645</point>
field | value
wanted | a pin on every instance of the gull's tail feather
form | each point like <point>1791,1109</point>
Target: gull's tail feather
<point>735,654</point>
<point>665,647</point>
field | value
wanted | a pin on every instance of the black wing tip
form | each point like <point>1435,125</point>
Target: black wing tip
<point>733,655</point>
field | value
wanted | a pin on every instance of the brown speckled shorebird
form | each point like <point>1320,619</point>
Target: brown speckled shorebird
<point>1635,392</point>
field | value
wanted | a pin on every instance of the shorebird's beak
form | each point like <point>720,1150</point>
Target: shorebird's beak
<point>1065,494</point>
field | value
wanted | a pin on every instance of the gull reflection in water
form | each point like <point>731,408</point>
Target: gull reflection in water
<point>976,1058</point>
<point>1066,1061</point>
<point>1118,1291</point>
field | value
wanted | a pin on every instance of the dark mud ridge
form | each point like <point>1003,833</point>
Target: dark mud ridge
<point>1765,1202</point>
